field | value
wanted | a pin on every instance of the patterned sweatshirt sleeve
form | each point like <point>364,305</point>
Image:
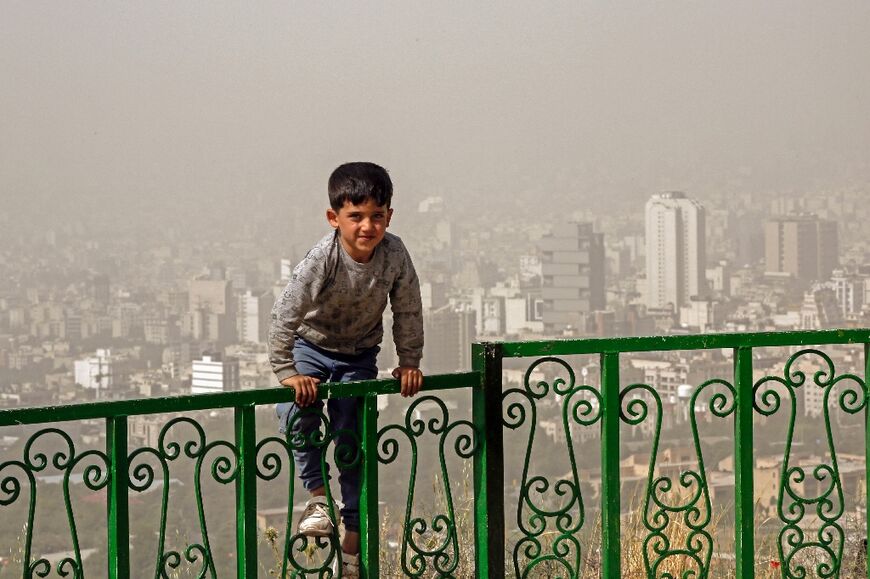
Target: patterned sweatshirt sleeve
<point>407,309</point>
<point>289,310</point>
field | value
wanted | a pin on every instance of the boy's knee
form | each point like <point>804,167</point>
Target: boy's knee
<point>294,419</point>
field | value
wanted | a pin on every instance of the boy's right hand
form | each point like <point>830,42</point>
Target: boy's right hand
<point>305,388</point>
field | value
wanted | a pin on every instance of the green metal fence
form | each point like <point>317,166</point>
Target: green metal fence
<point>550,528</point>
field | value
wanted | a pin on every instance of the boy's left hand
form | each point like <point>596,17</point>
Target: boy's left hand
<point>411,379</point>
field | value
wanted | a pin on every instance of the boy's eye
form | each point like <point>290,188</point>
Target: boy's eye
<point>376,217</point>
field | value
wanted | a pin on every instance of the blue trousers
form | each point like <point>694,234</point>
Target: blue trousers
<point>342,413</point>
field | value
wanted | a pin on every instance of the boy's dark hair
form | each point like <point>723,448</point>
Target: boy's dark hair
<point>357,182</point>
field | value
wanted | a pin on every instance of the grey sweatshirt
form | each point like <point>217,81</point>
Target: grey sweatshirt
<point>338,304</point>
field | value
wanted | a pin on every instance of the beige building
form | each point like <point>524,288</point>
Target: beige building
<point>449,335</point>
<point>572,266</point>
<point>212,310</point>
<point>801,245</point>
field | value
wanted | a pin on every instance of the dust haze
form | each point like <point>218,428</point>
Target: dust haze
<point>184,109</point>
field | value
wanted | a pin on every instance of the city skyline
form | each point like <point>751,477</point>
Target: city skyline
<point>164,306</point>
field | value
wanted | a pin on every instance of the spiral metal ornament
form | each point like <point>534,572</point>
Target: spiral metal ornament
<point>429,548</point>
<point>580,406</point>
<point>797,544</point>
<point>94,469</point>
<point>142,475</point>
<point>684,501</point>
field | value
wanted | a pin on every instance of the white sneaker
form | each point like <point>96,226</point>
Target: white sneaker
<point>349,566</point>
<point>316,520</point>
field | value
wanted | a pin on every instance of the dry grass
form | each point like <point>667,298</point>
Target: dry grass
<point>634,533</point>
<point>392,530</point>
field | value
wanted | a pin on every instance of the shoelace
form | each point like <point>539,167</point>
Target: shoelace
<point>316,507</point>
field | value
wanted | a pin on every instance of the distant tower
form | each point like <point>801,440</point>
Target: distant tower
<point>253,316</point>
<point>449,334</point>
<point>212,315</point>
<point>802,245</point>
<point>676,257</point>
<point>572,266</point>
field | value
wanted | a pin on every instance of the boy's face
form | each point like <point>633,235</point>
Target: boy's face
<point>361,227</point>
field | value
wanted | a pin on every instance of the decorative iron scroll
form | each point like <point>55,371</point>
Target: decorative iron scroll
<point>819,548</point>
<point>95,477</point>
<point>346,454</point>
<point>433,542</point>
<point>686,503</point>
<point>224,469</point>
<point>580,405</point>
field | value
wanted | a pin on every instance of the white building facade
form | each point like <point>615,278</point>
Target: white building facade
<point>676,257</point>
<point>95,372</point>
<point>254,316</point>
<point>213,374</point>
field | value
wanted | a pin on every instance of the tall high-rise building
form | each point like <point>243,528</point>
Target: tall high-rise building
<point>449,335</point>
<point>747,232</point>
<point>572,266</point>
<point>802,245</point>
<point>212,311</point>
<point>254,316</point>
<point>676,254</point>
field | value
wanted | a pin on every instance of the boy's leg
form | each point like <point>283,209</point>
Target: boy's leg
<point>343,417</point>
<point>300,423</point>
<point>343,414</point>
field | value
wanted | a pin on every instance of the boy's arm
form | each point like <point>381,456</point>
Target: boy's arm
<point>407,309</point>
<point>290,308</point>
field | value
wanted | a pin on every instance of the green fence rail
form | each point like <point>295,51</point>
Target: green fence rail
<point>525,523</point>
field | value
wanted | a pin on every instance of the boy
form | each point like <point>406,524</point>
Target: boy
<point>326,327</point>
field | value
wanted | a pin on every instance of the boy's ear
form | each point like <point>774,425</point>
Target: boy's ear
<point>389,215</point>
<point>332,217</point>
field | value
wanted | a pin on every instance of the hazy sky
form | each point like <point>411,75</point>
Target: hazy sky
<point>208,100</point>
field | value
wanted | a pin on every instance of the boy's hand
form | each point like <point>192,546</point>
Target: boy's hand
<point>411,379</point>
<point>305,388</point>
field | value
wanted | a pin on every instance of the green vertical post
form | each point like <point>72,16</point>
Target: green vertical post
<point>246,492</point>
<point>867,455</point>
<point>368,504</point>
<point>611,564</point>
<point>118,515</point>
<point>488,462</point>
<point>744,486</point>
